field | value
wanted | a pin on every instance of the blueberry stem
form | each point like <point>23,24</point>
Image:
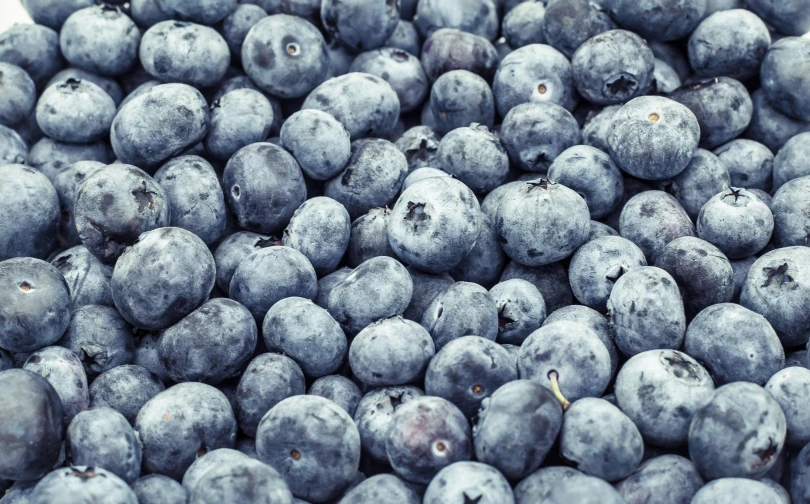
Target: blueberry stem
<point>555,387</point>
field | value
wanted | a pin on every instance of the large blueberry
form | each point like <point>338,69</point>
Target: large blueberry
<point>749,163</point>
<point>241,481</point>
<point>468,480</point>
<point>338,389</point>
<point>589,18</point>
<point>735,490</point>
<point>659,19</point>
<point>360,24</point>
<point>207,461</point>
<point>484,263</point>
<point>595,321</point>
<point>179,51</point>
<point>426,287</point>
<point>65,373</point>
<point>521,309</point>
<point>320,230</point>
<point>374,413</point>
<point>785,73</point>
<point>75,111</point>
<point>537,486</point>
<point>459,98</point>
<point>77,484</point>
<point>729,42</point>
<point>34,48</point>
<point>523,25</point>
<point>790,213</point>
<point>102,437</point>
<point>101,39</point>
<point>206,12</point>
<point>392,351</point>
<point>17,94</point>
<point>771,127</point>
<point>237,25</point>
<point>704,176</point>
<point>666,478</point>
<point>238,118</point>
<point>551,280</point>
<point>29,197</point>
<point>13,149</point>
<point>737,222</point>
<point>451,49</point>
<point>475,16</point>
<point>53,14</point>
<point>319,143</point>
<point>369,238</point>
<point>592,174</point>
<point>159,489</point>
<point>67,182</point>
<point>535,133</point>
<point>790,161</point>
<point>382,488</point>
<point>791,388</point>
<point>652,219</point>
<point>125,388</point>
<point>268,379</point>
<point>51,156</point>
<point>463,309</point>
<point>475,156</point>
<point>401,70</point>
<point>99,337</point>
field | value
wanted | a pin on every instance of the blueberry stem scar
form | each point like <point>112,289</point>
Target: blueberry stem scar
<point>555,388</point>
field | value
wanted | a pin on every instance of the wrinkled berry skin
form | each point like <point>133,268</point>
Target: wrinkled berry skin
<point>729,42</point>
<point>659,19</point>
<point>267,380</point>
<point>738,433</point>
<point>666,478</point>
<point>598,264</point>
<point>100,39</point>
<point>77,484</point>
<point>31,426</point>
<point>463,309</point>
<point>392,351</point>
<point>737,222</point>
<point>660,390</point>
<point>790,206</point>
<point>102,437</point>
<point>125,388</point>
<point>651,220</point>
<point>179,51</point>
<point>319,143</point>
<point>320,230</point>
<point>451,49</point>
<point>784,73</point>
<point>100,338</point>
<point>27,192</point>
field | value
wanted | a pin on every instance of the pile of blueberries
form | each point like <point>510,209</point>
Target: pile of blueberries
<point>405,251</point>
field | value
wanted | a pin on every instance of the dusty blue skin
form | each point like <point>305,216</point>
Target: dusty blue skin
<point>233,249</point>
<point>51,156</point>
<point>374,413</point>
<point>534,73</point>
<point>371,178</point>
<point>611,451</point>
<point>327,283</point>
<point>651,220</point>
<point>534,488</point>
<point>87,277</point>
<point>360,25</point>
<point>434,224</point>
<point>303,435</point>
<point>379,288</point>
<point>660,390</point>
<point>703,273</point>
<point>469,481</point>
<point>267,380</point>
<point>34,48</point>
<point>665,78</point>
<point>366,105</point>
<point>305,332</point>
<point>592,174</point>
<point>65,373</point>
<point>318,141</point>
<point>239,118</point>
<point>101,39</point>
<point>36,304</point>
<point>541,222</point>
<point>102,437</point>
<point>186,280</point>
<point>238,23</point>
<point>721,105</point>
<point>475,156</point>
<point>551,280</point>
<point>270,275</point>
<point>598,264</point>
<point>730,42</point>
<point>523,25</point>
<point>391,351</point>
<point>206,462</point>
<point>491,202</point>
<point>211,344</point>
<point>26,192</point>
<point>463,309</point>
<point>382,488</point>
<point>738,433</point>
<point>613,67</point>
<point>78,484</point>
<point>75,111</point>
<point>285,55</point>
<point>125,388</point>
<point>406,38</point>
<point>534,134</point>
<point>422,173</point>
<point>735,344</point>
<point>158,124</point>
<point>789,161</point>
<point>659,19</point>
<point>100,338</point>
<point>146,355</point>
<point>53,14</point>
<point>244,82</point>
<point>426,287</point>
<point>401,70</point>
<point>67,182</point>
<point>791,388</point>
<point>749,163</point>
<point>646,311</point>
<point>789,17</point>
<point>791,222</point>
<point>420,145</point>
<point>599,229</point>
<point>182,423</point>
<point>180,51</point>
<point>594,320</point>
<point>368,237</point>
<point>320,230</point>
<point>704,176</point>
<point>485,261</point>
<point>769,126</point>
<point>735,491</point>
<point>653,138</point>
<point>338,389</point>
<point>596,129</point>
<point>194,196</point>
<point>159,489</point>
<point>663,479</point>
<point>737,222</point>
<point>18,94</point>
<point>32,428</point>
<point>459,98</point>
<point>451,49</point>
<point>784,73</point>
<point>263,186</point>
<point>523,406</point>
<point>206,12</point>
<point>479,17</point>
<point>427,434</point>
<point>108,84</point>
<point>796,479</point>
<point>241,481</point>
<point>574,351</point>
<point>13,149</point>
<point>521,310</point>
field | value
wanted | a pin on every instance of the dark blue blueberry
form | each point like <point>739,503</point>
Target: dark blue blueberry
<point>485,262</point>
<point>652,219</point>
<point>451,49</point>
<point>459,98</point>
<point>87,277</point>
<point>534,73</point>
<point>146,355</point>
<point>67,182</point>
<point>659,19</point>
<point>790,206</point>
<point>360,25</point>
<point>406,38</point>
<point>534,134</point>
<point>401,70</point>
<point>159,489</point>
<point>207,461</point>
<point>270,275</point>
<point>463,309</point>
<point>382,488</point>
<point>479,17</point>
<point>665,78</point>
<point>749,163</point>
<point>327,283</point>
<point>53,14</point>
<point>426,287</point>
<point>320,144</point>
<point>785,72</point>
<point>125,388</point>
<point>737,434</point>
<point>735,490</point>
<point>65,373</point>
<point>536,487</point>
<point>268,379</point>
<point>595,321</point>
<point>305,332</point>
<point>239,118</point>
<point>237,24</point>
<point>368,237</point>
<point>13,149</point>
<point>338,389</point>
<point>241,481</point>
<point>101,39</point>
<point>100,338</point>
<point>320,230</point>
<point>17,94</point>
<point>183,423</point>
<point>596,129</point>
<point>569,24</point>
<point>206,12</point>
<point>34,48</point>
<point>790,161</point>
<point>392,351</point>
<point>374,414</point>
<point>475,156</point>
<point>179,51</point>
<point>102,437</point>
<point>599,230</point>
<point>592,174</point>
<point>78,484</point>
<point>313,443</point>
<point>737,222</point>
<point>233,249</point>
<point>704,176</point>
<point>791,389</point>
<point>427,434</point>
<point>469,481</point>
<point>660,390</point>
<point>521,309</point>
<point>244,82</point>
<point>789,17</point>
<point>729,42</point>
<point>524,24</point>
<point>28,195</point>
<point>666,478</point>
<point>551,280</point>
<point>771,127</point>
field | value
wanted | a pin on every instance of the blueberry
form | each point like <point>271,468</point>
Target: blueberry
<point>360,25</point>
<point>599,230</point>
<point>125,388</point>
<point>244,82</point>
<point>392,351</point>
<point>523,406</point>
<point>318,141</point>
<point>53,14</point>
<point>535,237</point>
<point>13,149</point>
<point>406,38</point>
<point>374,413</point>
<point>238,23</point>
<point>704,176</point>
<point>207,461</point>
<point>790,387</point>
<point>159,489</point>
<point>66,182</point>
<point>521,309</point>
<point>270,275</point>
<point>666,478</point>
<point>18,94</point>
<point>166,422</point>
<point>534,134</point>
<point>749,163</point>
<point>65,373</point>
<point>790,205</point>
<point>646,311</point>
<point>523,25</point>
<point>34,48</point>
<point>426,435</point>
<point>327,283</point>
<point>459,98</point>
<point>789,17</point>
<point>584,169</point>
<point>147,13</point>
<point>100,338</point>
<point>338,389</point>
<point>368,237</point>
<point>305,332</point>
<point>536,487</point>
<point>479,17</point>
<point>365,104</point>
<point>317,220</point>
<point>241,481</point>
<point>485,262</point>
<point>267,380</point>
<point>665,78</point>
<point>551,280</point>
<point>596,129</point>
<point>463,309</point>
<point>730,42</point>
<point>179,51</point>
<point>233,249</point>
<point>51,156</point>
<point>736,222</point>
<point>426,287</point>
<point>382,488</point>
<point>659,19</point>
<point>101,39</point>
<point>771,127</point>
<point>784,73</point>
<point>239,118</point>
<point>434,224</point>
<point>77,484</point>
<point>206,12</point>
<point>28,194</point>
<point>103,437</point>
<point>789,162</point>
<point>159,124</point>
<point>595,321</point>
<point>652,219</point>
<point>146,355</point>
<point>303,435</point>
<point>735,490</point>
<point>470,481</point>
<point>31,426</point>
<point>534,73</point>
<point>400,69</point>
<point>422,173</point>
<point>450,49</point>
<point>475,156</point>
